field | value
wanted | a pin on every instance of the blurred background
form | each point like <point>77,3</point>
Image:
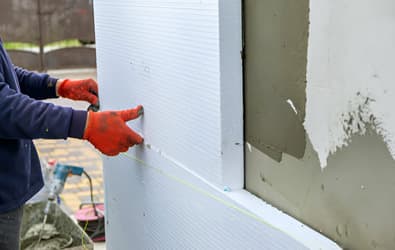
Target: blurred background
<point>46,34</point>
<point>57,37</point>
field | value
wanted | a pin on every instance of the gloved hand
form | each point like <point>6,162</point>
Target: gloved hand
<point>80,90</point>
<point>108,131</point>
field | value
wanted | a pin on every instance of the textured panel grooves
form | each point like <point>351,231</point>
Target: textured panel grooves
<point>170,56</point>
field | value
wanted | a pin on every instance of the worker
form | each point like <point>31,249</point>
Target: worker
<point>24,117</point>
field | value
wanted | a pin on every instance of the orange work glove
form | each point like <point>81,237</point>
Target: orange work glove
<point>108,131</point>
<point>80,90</point>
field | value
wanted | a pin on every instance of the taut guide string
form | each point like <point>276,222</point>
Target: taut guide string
<point>207,194</point>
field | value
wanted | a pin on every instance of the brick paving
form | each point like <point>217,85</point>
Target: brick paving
<point>77,153</point>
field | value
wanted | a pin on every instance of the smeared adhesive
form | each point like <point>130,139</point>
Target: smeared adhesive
<point>359,114</point>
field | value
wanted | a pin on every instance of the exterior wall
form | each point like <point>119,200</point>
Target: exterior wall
<point>349,120</point>
<point>351,200</point>
<point>181,60</point>
<point>350,73</point>
<point>275,75</point>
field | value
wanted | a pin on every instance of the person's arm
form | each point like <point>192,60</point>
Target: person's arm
<point>25,118</point>
<point>79,90</point>
<point>36,85</point>
<point>42,86</point>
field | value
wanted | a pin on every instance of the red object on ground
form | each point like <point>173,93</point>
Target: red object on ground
<point>88,214</point>
<point>51,163</point>
<point>91,222</point>
<point>108,131</point>
<point>80,90</point>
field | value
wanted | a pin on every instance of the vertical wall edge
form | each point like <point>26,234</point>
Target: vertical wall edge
<point>231,81</point>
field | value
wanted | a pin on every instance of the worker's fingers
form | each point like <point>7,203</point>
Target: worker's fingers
<point>133,138</point>
<point>130,114</point>
<point>109,153</point>
<point>91,98</point>
<point>93,91</point>
<point>92,86</point>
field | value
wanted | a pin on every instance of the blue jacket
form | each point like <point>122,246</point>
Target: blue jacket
<point>23,118</point>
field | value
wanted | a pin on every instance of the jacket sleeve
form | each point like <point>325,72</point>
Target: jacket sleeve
<point>22,117</point>
<point>35,85</point>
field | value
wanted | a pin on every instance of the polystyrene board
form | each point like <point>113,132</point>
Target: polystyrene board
<point>153,211</point>
<point>165,56</point>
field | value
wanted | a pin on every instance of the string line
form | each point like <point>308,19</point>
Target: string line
<point>209,195</point>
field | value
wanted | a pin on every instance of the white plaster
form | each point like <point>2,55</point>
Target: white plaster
<point>350,73</point>
<point>249,147</point>
<point>290,102</point>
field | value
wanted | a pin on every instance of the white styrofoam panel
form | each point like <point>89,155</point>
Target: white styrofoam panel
<point>230,35</point>
<point>165,56</point>
<point>166,214</point>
